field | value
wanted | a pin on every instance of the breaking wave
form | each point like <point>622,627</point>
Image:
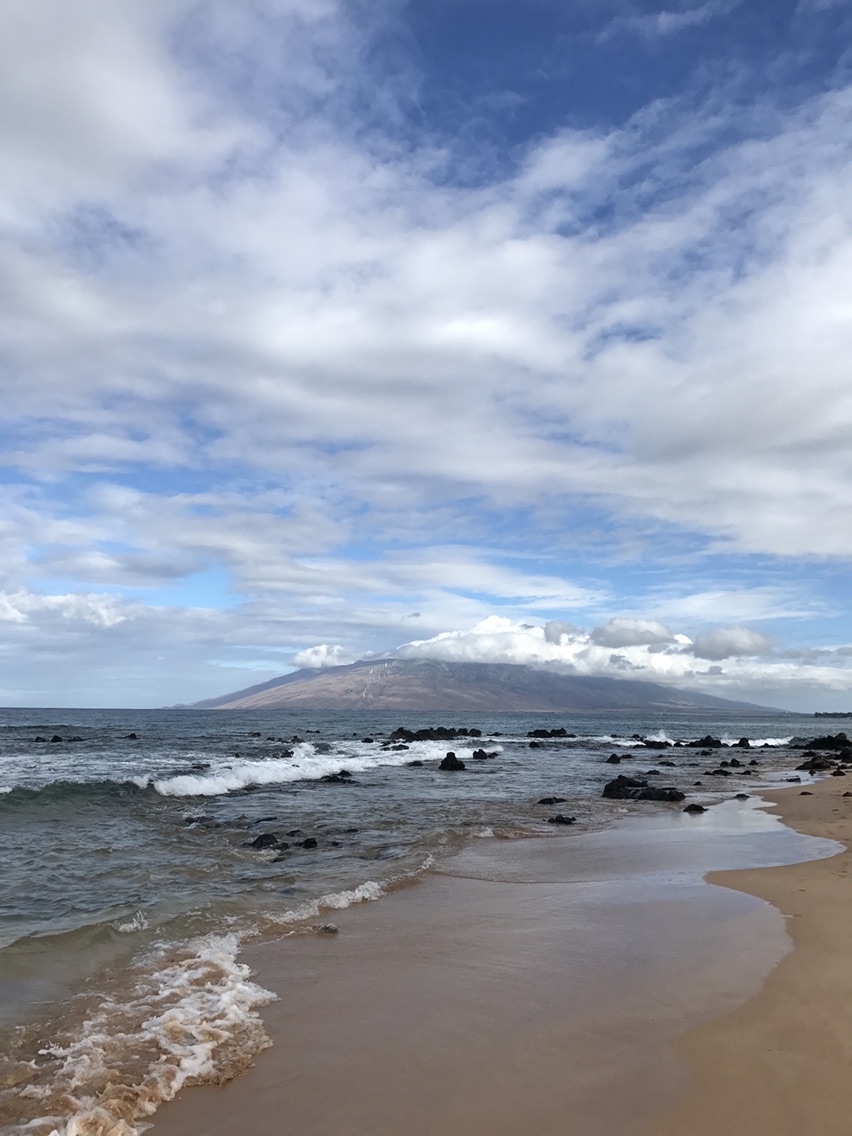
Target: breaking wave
<point>306,764</point>
<point>185,1016</point>
<point>334,901</point>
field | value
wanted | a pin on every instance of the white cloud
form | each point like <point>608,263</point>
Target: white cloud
<point>730,642</point>
<point>498,639</point>
<point>666,21</point>
<point>621,632</point>
<point>420,332</point>
<point>323,655</point>
<point>100,611</point>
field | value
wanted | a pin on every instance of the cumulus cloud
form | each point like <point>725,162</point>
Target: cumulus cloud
<point>100,611</point>
<point>498,639</point>
<point>323,655</point>
<point>621,632</point>
<point>730,642</point>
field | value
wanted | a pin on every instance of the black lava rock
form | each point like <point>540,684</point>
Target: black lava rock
<point>451,762</point>
<point>265,840</point>
<point>433,734</point>
<point>629,789</point>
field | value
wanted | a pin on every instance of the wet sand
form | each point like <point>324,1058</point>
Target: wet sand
<point>533,985</point>
<point>779,1065</point>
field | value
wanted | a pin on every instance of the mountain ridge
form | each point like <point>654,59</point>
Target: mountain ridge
<point>431,684</point>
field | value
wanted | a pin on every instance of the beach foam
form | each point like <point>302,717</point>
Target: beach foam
<point>186,1016</point>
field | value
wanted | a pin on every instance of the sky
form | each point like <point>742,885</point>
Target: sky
<point>481,330</point>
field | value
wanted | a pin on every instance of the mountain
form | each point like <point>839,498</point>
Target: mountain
<point>428,684</point>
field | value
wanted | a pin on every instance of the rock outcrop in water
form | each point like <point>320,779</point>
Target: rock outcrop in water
<point>828,741</point>
<point>630,789</point>
<point>452,763</point>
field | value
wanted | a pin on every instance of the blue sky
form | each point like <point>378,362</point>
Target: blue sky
<point>467,329</point>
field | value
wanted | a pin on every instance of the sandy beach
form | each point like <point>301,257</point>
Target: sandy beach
<point>593,982</point>
<point>779,1064</point>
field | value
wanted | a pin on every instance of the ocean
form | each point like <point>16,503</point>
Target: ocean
<point>142,848</point>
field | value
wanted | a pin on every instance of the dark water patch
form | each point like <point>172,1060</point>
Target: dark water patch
<point>106,792</point>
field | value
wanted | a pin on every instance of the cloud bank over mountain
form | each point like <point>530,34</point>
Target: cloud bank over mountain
<point>330,328</point>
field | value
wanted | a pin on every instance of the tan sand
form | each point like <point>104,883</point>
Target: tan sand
<point>781,1065</point>
<point>530,986</point>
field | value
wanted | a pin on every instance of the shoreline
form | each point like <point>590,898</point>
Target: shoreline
<point>778,1065</point>
<point>520,984</point>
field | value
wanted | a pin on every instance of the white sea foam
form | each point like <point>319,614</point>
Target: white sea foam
<point>659,736</point>
<point>6,788</point>
<point>334,901</point>
<point>188,1017</point>
<point>305,765</point>
<point>136,922</point>
<point>662,736</point>
<point>727,740</point>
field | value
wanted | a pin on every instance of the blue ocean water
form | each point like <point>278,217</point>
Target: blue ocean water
<point>133,870</point>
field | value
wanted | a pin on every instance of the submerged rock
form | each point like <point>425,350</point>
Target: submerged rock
<point>552,800</point>
<point>558,732</point>
<point>560,819</point>
<point>343,777</point>
<point>695,809</point>
<point>265,840</point>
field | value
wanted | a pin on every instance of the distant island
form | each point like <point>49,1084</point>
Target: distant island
<point>429,684</point>
<point>833,714</point>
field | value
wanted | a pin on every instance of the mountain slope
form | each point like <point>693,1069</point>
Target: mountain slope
<point>428,684</point>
